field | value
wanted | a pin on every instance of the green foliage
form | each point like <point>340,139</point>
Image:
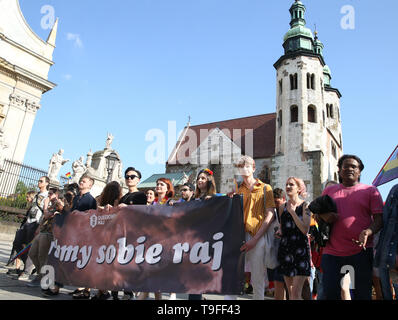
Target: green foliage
<point>18,199</point>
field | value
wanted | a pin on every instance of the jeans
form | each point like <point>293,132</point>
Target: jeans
<point>319,294</point>
<point>360,267</point>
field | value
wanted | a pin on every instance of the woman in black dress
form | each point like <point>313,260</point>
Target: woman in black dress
<point>294,253</point>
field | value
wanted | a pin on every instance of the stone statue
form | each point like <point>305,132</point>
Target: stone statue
<point>79,169</point>
<point>89,159</point>
<point>56,162</point>
<point>109,141</point>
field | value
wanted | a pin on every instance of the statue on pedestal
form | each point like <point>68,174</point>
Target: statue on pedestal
<point>109,141</point>
<point>79,169</point>
<point>56,162</point>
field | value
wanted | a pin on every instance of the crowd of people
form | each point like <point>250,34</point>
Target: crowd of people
<point>325,250</point>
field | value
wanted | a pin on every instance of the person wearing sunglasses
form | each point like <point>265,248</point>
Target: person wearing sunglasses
<point>187,192</point>
<point>32,223</point>
<point>133,196</point>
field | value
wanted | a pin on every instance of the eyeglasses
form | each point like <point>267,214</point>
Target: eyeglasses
<point>41,181</point>
<point>132,177</point>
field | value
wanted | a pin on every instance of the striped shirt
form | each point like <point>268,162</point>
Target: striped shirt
<point>253,205</point>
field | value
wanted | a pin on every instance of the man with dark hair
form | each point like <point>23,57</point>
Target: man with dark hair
<point>133,196</point>
<point>187,192</point>
<point>359,217</point>
<point>84,200</point>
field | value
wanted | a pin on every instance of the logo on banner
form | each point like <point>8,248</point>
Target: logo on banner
<point>93,221</point>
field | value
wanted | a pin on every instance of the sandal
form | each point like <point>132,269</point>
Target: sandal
<point>84,294</point>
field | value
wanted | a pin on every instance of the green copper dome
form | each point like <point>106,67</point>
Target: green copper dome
<point>298,31</point>
<point>326,70</point>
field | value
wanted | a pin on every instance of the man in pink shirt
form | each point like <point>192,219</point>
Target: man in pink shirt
<point>350,247</point>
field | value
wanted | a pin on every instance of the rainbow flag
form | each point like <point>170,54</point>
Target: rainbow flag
<point>389,171</point>
<point>68,175</point>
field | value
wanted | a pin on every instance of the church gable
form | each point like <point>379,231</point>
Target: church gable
<point>253,135</point>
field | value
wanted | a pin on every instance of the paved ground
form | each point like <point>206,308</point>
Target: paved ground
<point>12,289</point>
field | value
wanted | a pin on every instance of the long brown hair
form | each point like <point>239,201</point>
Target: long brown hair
<point>210,185</point>
<point>111,193</point>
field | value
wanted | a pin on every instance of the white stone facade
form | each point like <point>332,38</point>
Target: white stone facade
<point>25,61</point>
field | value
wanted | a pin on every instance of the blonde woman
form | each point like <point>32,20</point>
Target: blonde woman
<point>294,253</point>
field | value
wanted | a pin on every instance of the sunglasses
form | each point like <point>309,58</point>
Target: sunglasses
<point>132,177</point>
<point>184,190</point>
<point>41,181</point>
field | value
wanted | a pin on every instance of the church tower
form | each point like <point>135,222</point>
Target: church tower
<point>308,138</point>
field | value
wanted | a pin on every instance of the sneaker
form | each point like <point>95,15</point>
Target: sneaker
<point>13,272</point>
<point>23,276</point>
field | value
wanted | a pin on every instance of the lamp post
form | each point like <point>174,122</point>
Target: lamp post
<point>111,160</point>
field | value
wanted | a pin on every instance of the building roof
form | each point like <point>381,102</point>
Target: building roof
<point>176,178</point>
<point>263,127</point>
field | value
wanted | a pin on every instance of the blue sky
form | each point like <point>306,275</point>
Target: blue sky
<point>127,67</point>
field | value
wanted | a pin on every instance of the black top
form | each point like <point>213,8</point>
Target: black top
<point>84,202</point>
<point>134,198</point>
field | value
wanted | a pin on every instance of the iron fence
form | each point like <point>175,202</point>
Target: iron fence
<point>16,179</point>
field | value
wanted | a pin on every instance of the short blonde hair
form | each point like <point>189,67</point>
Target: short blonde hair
<point>245,160</point>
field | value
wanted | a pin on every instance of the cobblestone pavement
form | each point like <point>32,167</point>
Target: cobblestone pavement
<point>13,289</point>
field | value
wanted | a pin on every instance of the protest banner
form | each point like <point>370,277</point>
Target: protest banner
<point>191,247</point>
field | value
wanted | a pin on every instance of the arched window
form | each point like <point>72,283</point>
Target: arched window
<point>331,111</point>
<point>293,114</point>
<point>334,151</point>
<point>327,110</point>
<point>280,86</point>
<point>323,114</point>
<point>293,81</point>
<point>280,119</point>
<point>313,81</point>
<point>308,81</point>
<point>311,113</point>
